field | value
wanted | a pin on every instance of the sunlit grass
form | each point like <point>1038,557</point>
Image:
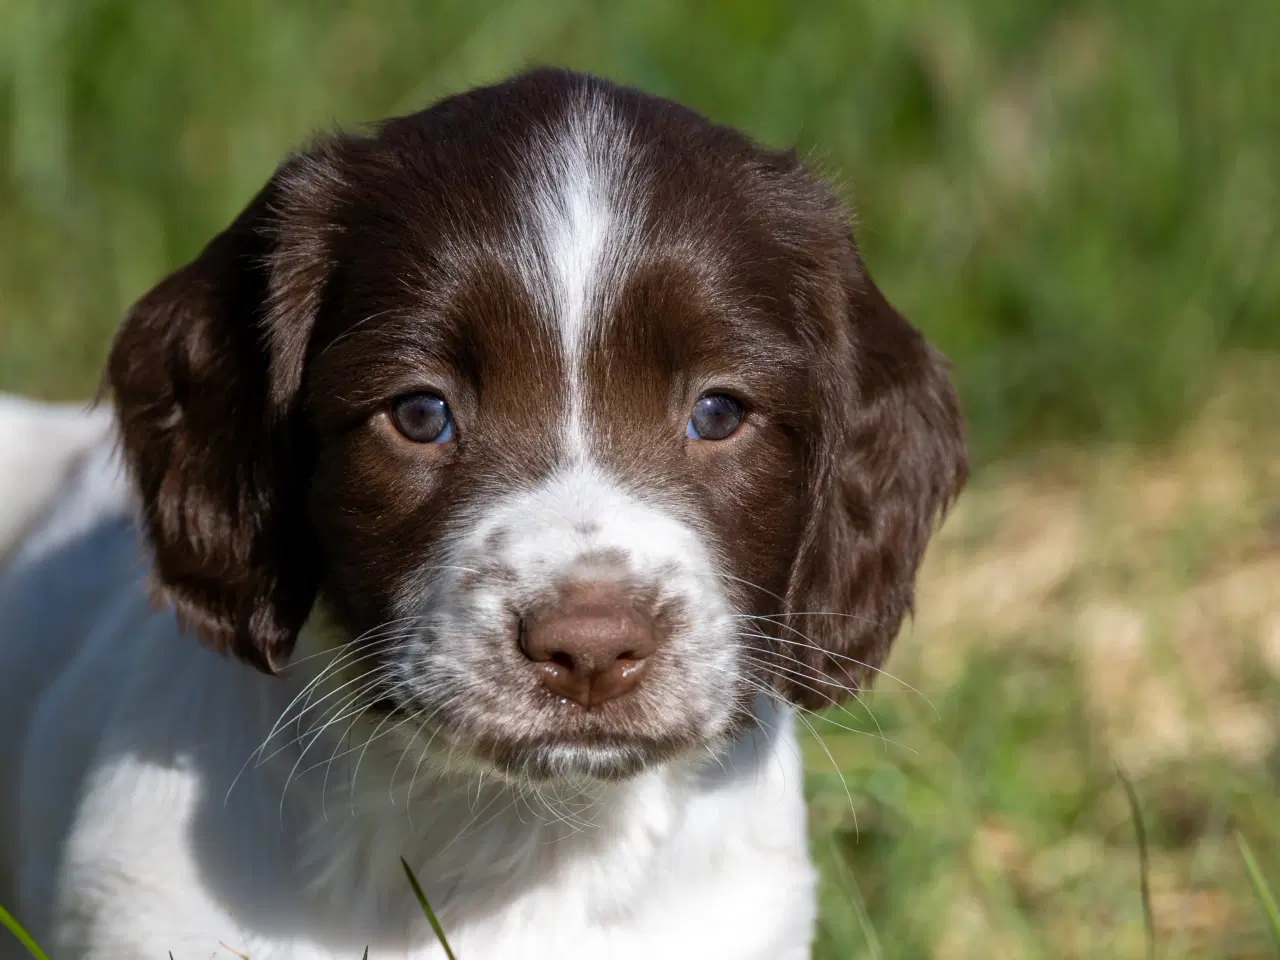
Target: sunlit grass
<point>1068,624</point>
<point>1077,202</point>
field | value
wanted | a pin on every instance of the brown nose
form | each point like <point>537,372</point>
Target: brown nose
<point>591,645</point>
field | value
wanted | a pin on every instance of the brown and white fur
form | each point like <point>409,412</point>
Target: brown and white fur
<point>688,460</point>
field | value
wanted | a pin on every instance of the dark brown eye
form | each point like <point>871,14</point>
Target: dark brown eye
<point>715,417</point>
<point>422,418</point>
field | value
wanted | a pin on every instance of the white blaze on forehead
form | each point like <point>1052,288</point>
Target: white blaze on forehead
<point>584,215</point>
<point>582,511</point>
<point>583,228</point>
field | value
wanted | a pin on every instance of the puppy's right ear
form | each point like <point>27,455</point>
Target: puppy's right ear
<point>205,372</point>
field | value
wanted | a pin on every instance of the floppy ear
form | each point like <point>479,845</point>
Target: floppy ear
<point>205,371</point>
<point>887,462</point>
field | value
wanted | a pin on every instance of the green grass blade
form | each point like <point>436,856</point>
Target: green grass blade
<point>10,923</point>
<point>1260,887</point>
<point>854,893</point>
<point>1144,870</point>
<point>426,908</point>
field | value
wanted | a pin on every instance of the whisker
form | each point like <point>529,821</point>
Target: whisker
<point>336,691</point>
<point>379,732</point>
<point>755,586</point>
<point>334,756</point>
<point>798,678</point>
<point>817,613</point>
<point>883,673</point>
<point>466,827</point>
<point>781,620</point>
<point>283,721</point>
<point>885,741</point>
<point>367,635</point>
<point>817,678</point>
<point>352,330</point>
<point>836,767</point>
<point>359,648</point>
<point>404,751</point>
<point>421,757</point>
<point>316,736</point>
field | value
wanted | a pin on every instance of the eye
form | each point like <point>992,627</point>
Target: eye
<point>422,418</point>
<point>715,417</point>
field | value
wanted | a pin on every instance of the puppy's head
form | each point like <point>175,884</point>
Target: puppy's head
<point>580,415</point>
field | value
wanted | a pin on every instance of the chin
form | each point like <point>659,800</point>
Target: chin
<point>567,762</point>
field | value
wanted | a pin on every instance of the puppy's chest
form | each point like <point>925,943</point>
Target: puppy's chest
<point>721,874</point>
<point>743,901</point>
<point>736,910</point>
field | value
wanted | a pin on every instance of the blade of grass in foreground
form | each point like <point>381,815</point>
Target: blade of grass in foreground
<point>8,921</point>
<point>1260,887</point>
<point>1140,831</point>
<point>426,908</point>
<point>859,905</point>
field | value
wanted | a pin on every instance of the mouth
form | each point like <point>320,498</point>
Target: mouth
<point>557,759</point>
<point>557,745</point>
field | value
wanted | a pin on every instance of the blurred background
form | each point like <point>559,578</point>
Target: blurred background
<point>1078,201</point>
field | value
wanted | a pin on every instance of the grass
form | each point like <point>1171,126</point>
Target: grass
<point>1080,611</point>
<point>1261,888</point>
<point>1144,869</point>
<point>10,923</point>
<point>1076,199</point>
<point>426,910</point>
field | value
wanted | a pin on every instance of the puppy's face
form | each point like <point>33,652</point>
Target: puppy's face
<point>579,415</point>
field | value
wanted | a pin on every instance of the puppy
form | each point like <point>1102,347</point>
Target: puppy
<point>487,495</point>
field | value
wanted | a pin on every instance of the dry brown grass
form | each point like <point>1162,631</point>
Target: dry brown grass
<point>1080,612</point>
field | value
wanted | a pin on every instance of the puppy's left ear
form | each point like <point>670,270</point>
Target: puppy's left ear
<point>885,463</point>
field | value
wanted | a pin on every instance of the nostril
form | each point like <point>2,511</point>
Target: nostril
<point>562,659</point>
<point>522,635</point>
